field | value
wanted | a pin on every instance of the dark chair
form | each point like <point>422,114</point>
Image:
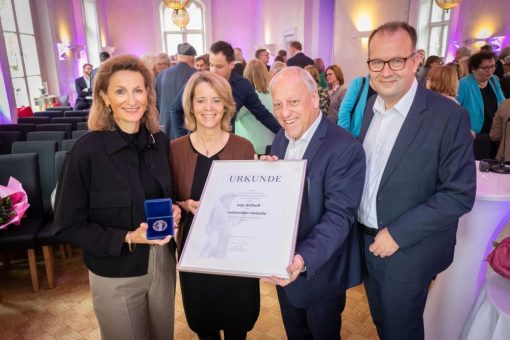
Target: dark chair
<point>59,108</point>
<point>23,128</point>
<point>66,127</point>
<point>68,144</point>
<point>6,140</point>
<point>57,136</point>
<point>82,126</point>
<point>50,114</point>
<point>71,120</point>
<point>77,113</point>
<point>34,120</point>
<point>77,134</point>
<point>46,151</point>
<point>25,168</point>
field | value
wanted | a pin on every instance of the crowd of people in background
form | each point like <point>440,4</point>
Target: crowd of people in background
<point>221,106</point>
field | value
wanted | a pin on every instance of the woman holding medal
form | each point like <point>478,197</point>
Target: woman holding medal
<point>211,302</point>
<point>106,178</point>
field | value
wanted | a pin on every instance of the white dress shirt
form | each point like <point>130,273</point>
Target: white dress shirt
<point>378,143</point>
<point>296,148</point>
<point>87,81</point>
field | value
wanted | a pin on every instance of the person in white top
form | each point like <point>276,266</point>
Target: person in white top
<point>420,179</point>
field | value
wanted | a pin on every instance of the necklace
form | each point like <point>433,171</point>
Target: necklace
<point>212,148</point>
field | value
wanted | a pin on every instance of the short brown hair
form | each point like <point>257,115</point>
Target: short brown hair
<point>338,73</point>
<point>256,73</point>
<point>444,80</point>
<point>101,117</point>
<point>394,26</point>
<point>220,85</point>
<point>297,45</point>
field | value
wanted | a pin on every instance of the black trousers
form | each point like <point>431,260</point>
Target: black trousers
<point>396,307</point>
<point>320,321</point>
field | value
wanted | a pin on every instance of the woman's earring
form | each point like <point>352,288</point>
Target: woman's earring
<point>108,109</point>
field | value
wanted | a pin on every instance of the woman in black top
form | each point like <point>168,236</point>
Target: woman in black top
<point>106,178</point>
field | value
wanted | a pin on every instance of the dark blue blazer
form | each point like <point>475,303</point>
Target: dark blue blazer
<point>429,182</point>
<point>81,85</point>
<point>327,238</point>
<point>300,59</point>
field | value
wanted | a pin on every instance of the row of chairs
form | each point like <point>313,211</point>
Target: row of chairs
<point>7,137</point>
<point>56,114</point>
<point>51,120</point>
<point>36,164</point>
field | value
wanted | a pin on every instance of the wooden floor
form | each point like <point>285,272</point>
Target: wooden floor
<point>65,312</point>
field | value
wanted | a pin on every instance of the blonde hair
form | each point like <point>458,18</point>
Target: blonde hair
<point>313,72</point>
<point>101,116</point>
<point>256,73</point>
<point>222,88</point>
<point>444,80</point>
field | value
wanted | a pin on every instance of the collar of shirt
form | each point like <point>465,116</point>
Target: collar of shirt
<point>114,141</point>
<point>402,106</point>
<point>307,136</point>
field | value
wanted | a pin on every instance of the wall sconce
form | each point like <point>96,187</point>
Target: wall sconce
<point>495,42</point>
<point>68,50</point>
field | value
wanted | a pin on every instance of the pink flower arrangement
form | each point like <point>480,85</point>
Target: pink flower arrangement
<point>499,258</point>
<point>13,203</point>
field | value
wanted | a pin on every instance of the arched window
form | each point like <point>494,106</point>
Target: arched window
<point>194,33</point>
<point>433,26</point>
<point>21,50</point>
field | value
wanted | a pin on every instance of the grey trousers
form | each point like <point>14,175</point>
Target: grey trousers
<point>140,307</point>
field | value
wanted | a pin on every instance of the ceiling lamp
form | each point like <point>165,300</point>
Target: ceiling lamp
<point>176,4</point>
<point>447,4</point>
<point>180,17</point>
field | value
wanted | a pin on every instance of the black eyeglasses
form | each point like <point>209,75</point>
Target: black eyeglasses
<point>395,64</point>
<point>488,67</point>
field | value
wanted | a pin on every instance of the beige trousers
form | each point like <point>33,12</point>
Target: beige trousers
<point>140,307</point>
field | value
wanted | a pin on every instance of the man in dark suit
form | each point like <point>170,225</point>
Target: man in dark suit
<point>83,86</point>
<point>298,58</point>
<point>420,180</point>
<point>221,62</point>
<point>263,55</point>
<point>169,84</point>
<point>327,258</point>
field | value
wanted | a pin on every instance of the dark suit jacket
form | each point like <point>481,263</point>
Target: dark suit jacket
<point>327,239</point>
<point>169,84</point>
<point>429,182</point>
<point>81,85</point>
<point>300,59</point>
<point>244,95</point>
<point>505,86</point>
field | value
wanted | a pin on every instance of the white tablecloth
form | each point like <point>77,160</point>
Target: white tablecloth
<point>489,318</point>
<point>455,290</point>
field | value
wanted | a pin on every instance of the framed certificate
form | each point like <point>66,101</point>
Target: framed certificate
<point>247,221</point>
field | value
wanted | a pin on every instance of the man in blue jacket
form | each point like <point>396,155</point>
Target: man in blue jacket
<point>221,62</point>
<point>327,256</point>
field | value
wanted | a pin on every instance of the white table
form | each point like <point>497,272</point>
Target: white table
<point>489,318</point>
<point>455,290</point>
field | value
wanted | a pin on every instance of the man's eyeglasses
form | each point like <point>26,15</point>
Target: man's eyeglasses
<point>488,67</point>
<point>395,64</point>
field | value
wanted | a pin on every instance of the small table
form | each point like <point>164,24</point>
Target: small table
<point>45,102</point>
<point>455,290</point>
<point>490,317</point>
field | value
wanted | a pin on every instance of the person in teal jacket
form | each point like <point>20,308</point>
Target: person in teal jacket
<point>344,113</point>
<point>481,70</point>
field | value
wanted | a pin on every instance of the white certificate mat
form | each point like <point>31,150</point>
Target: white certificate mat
<point>247,221</point>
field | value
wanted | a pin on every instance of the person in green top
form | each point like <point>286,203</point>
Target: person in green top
<point>246,125</point>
